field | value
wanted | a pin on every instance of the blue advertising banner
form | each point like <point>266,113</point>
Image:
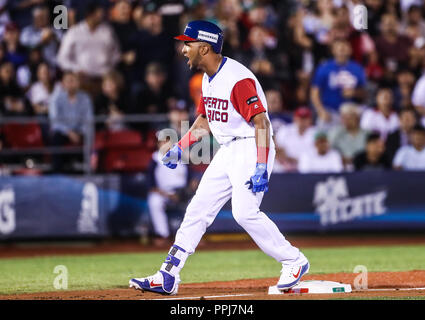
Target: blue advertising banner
<point>68,206</point>
<point>99,206</point>
<point>352,201</point>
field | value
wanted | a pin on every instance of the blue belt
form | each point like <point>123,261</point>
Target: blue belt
<point>240,138</point>
<point>237,138</point>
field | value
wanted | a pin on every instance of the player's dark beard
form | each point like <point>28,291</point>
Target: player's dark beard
<point>195,62</point>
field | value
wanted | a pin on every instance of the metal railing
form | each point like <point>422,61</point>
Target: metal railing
<point>88,142</point>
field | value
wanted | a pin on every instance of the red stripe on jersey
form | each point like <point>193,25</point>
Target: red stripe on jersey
<point>245,99</point>
<point>201,107</point>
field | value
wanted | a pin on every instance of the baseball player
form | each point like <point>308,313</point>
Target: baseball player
<point>233,108</point>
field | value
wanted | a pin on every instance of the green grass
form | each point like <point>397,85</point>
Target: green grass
<point>103,271</point>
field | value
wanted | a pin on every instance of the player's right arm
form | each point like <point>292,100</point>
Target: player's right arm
<point>198,129</point>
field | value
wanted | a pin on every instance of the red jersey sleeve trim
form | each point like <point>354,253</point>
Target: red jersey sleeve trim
<point>201,107</point>
<point>245,99</point>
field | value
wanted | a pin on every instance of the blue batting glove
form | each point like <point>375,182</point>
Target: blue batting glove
<point>259,182</point>
<point>172,157</point>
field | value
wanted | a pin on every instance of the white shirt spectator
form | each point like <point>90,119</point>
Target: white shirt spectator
<point>289,138</point>
<point>418,95</point>
<point>408,158</point>
<point>92,52</point>
<point>373,120</point>
<point>312,162</point>
<point>38,93</point>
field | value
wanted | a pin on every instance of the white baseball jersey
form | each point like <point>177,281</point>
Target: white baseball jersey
<point>230,98</point>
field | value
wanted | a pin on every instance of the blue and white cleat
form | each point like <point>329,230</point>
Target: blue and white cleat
<point>291,275</point>
<point>161,282</point>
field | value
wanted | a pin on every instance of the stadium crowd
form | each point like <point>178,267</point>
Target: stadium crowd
<point>339,98</point>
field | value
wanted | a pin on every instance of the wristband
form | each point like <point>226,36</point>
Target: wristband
<point>262,154</point>
<point>187,140</point>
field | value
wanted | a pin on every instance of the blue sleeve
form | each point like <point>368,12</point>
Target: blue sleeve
<point>319,78</point>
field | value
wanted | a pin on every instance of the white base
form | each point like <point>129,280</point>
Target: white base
<point>314,286</point>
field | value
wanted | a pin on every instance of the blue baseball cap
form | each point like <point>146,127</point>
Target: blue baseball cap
<point>201,30</point>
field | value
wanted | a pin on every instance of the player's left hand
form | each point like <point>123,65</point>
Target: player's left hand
<point>259,182</point>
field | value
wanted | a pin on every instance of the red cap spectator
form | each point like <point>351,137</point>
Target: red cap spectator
<point>303,112</point>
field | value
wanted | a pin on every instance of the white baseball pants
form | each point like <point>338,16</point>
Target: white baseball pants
<point>225,177</point>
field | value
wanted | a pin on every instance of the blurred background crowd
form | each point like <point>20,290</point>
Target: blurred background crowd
<point>339,98</point>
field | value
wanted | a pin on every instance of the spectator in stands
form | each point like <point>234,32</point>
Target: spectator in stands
<point>90,48</point>
<point>21,10</point>
<point>125,30</point>
<point>336,81</point>
<point>383,118</point>
<point>418,97</point>
<point>322,159</point>
<point>414,24</point>
<point>12,100</point>
<point>400,137</point>
<point>39,95</point>
<point>184,81</point>
<point>77,9</point>
<point>165,188</point>
<point>295,138</point>
<point>195,88</point>
<point>277,116</point>
<point>361,43</point>
<point>178,117</point>
<point>348,138</point>
<point>412,157</point>
<point>374,69</point>
<point>154,98</point>
<point>41,91</point>
<point>234,22</point>
<point>261,58</point>
<point>318,24</point>
<point>262,14</point>
<point>4,16</point>
<point>154,43</point>
<point>26,74</point>
<point>417,56</point>
<point>406,4</point>
<point>392,47</point>
<point>112,101</point>
<point>42,35</point>
<point>404,88</point>
<point>15,52</point>
<point>71,116</point>
<point>374,157</point>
